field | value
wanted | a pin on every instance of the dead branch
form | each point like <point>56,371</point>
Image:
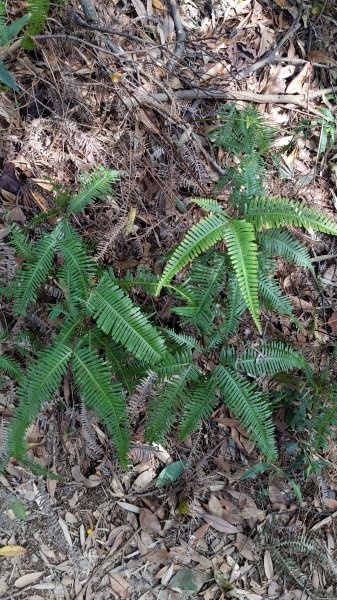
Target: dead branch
<point>268,56</point>
<point>180,33</point>
<point>97,27</point>
<point>216,94</point>
<point>89,11</point>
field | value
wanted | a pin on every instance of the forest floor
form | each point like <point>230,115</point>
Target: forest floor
<point>138,92</point>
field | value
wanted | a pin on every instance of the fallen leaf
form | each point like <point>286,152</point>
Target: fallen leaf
<point>149,522</point>
<point>245,546</point>
<point>119,585</point>
<point>214,506</point>
<point>158,5</point>
<point>317,56</point>
<point>188,580</point>
<point>144,480</point>
<point>268,565</point>
<point>217,523</point>
<point>28,579</point>
<point>12,551</point>
<point>300,83</point>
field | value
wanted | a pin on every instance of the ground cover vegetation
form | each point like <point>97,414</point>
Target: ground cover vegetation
<point>165,321</point>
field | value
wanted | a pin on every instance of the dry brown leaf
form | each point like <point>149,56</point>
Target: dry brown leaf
<point>300,304</point>
<point>268,565</point>
<point>149,522</point>
<point>331,503</point>
<point>245,546</point>
<point>12,551</point>
<point>144,480</point>
<point>200,533</point>
<point>39,199</point>
<point>28,579</point>
<point>217,523</point>
<point>158,5</point>
<point>317,56</point>
<point>214,506</point>
<point>300,83</point>
<point>119,586</point>
<point>139,8</point>
<point>333,325</point>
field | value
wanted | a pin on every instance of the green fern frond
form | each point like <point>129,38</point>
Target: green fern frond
<point>235,307</point>
<point>92,378</point>
<point>163,409</point>
<point>199,238</point>
<point>242,132</point>
<point>273,213</point>
<point>247,180</point>
<point>290,569</point>
<point>117,315</point>
<point>205,281</point>
<point>273,298</point>
<point>181,339</point>
<point>10,367</point>
<point>143,278</point>
<point>123,366</point>
<point>240,239</point>
<point>38,10</point>
<point>322,425</point>
<point>285,244</point>
<point>21,242</point>
<point>172,364</point>
<point>250,406</point>
<point>71,327</point>
<point>199,407</point>
<point>35,273</point>
<point>209,204</point>
<point>93,186</point>
<point>42,379</point>
<point>78,269</point>
<point>271,358</point>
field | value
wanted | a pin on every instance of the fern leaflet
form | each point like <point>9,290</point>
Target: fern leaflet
<point>273,213</point>
<point>200,406</point>
<point>79,268</point>
<point>93,380</point>
<point>95,186</point>
<point>283,243</point>
<point>117,315</point>
<point>42,379</point>
<point>198,239</point>
<point>250,407</point>
<point>34,274</point>
<point>240,239</point>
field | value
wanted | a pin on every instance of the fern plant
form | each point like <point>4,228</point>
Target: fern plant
<point>255,234</point>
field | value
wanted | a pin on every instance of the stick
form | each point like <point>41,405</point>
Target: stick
<point>268,56</point>
<point>180,32</point>
<point>93,27</point>
<point>89,11</point>
<point>216,94</point>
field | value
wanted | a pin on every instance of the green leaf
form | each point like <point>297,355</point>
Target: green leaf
<point>95,186</point>
<point>79,269</point>
<point>7,79</point>
<point>260,467</point>
<point>250,406</point>
<point>15,27</point>
<point>10,367</point>
<point>171,473</point>
<point>240,239</point>
<point>273,213</point>
<point>92,378</point>
<point>198,239</point>
<point>43,377</point>
<point>116,315</point>
<point>35,273</point>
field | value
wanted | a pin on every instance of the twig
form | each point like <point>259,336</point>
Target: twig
<point>180,33</point>
<point>301,61</point>
<point>216,94</point>
<point>70,38</point>
<point>93,27</point>
<point>268,56</point>
<point>89,11</point>
<point>102,565</point>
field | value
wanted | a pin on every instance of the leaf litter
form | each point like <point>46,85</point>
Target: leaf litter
<point>175,527</point>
